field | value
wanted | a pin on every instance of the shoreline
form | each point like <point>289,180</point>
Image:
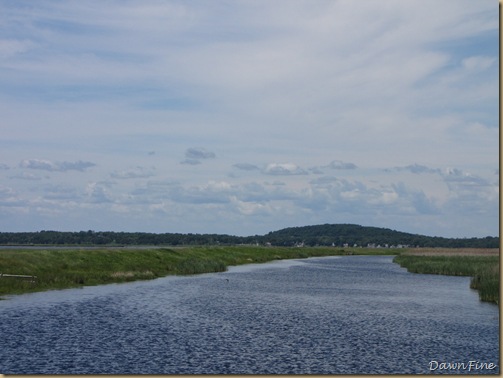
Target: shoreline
<point>479,264</point>
<point>63,267</point>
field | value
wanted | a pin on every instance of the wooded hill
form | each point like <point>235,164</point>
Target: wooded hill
<point>362,236</point>
<point>339,235</point>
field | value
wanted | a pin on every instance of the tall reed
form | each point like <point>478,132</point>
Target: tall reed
<point>484,270</point>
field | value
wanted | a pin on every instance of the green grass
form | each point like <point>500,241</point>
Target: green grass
<point>66,268</point>
<point>484,270</point>
<point>60,268</point>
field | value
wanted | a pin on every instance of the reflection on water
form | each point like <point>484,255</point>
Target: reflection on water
<point>336,315</point>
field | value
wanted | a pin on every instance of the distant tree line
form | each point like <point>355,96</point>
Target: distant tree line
<point>118,238</point>
<point>320,235</point>
<point>363,236</point>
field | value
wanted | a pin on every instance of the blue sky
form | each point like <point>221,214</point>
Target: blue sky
<point>244,117</point>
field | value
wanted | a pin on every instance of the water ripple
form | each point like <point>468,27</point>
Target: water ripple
<point>349,315</point>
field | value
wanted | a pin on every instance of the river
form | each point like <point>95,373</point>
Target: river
<point>331,315</point>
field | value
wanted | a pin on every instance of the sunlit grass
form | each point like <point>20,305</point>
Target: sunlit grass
<point>483,269</point>
<point>66,268</point>
<point>58,269</point>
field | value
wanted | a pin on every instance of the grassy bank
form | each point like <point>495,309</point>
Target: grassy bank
<point>482,267</point>
<point>66,268</point>
<point>59,269</point>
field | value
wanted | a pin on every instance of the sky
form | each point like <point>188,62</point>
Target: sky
<point>242,117</point>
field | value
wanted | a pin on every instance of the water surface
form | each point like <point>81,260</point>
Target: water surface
<point>332,315</point>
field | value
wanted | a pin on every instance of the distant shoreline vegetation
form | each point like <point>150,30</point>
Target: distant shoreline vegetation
<point>336,235</point>
<point>24,269</point>
<point>484,269</point>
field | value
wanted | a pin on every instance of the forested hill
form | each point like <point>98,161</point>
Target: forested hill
<point>323,235</point>
<point>351,234</point>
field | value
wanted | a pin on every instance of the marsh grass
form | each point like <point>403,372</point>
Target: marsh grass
<point>484,270</point>
<point>487,282</point>
<point>59,269</point>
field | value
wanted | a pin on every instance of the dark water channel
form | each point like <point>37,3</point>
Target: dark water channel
<point>336,315</point>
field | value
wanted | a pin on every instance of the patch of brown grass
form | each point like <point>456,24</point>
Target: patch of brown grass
<point>453,252</point>
<point>146,273</point>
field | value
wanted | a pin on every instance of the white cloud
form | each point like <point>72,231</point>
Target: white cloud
<point>11,47</point>
<point>199,153</point>
<point>98,193</point>
<point>337,164</point>
<point>283,169</point>
<point>193,156</point>
<point>8,196</point>
<point>26,176</point>
<point>38,164</point>
<point>63,193</point>
<point>478,63</point>
<point>191,162</point>
<point>418,169</point>
<point>246,166</point>
<point>133,173</point>
<point>63,166</point>
<point>251,208</point>
<point>376,84</point>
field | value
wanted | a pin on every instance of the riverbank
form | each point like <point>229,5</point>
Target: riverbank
<point>57,268</point>
<point>480,264</point>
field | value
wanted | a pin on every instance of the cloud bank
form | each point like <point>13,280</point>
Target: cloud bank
<point>50,166</point>
<point>378,113</point>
